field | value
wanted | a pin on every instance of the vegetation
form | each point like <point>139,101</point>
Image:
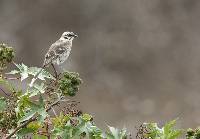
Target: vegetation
<point>28,109</point>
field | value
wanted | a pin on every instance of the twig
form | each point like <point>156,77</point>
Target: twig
<point>65,100</point>
<point>54,112</point>
<point>31,119</point>
<point>11,78</point>
<point>4,92</point>
<point>21,126</point>
<point>54,103</point>
<point>47,130</point>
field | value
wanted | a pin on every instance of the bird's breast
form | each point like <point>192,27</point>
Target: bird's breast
<point>63,57</point>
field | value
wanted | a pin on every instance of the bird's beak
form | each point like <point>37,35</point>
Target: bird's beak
<point>75,35</point>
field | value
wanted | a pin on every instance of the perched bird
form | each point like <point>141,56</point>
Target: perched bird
<point>60,50</point>
<point>57,53</point>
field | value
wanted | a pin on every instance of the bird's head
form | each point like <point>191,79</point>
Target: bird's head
<point>68,36</point>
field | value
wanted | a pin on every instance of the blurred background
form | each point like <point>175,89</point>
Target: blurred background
<point>139,59</point>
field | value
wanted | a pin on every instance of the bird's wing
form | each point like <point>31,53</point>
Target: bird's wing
<point>51,54</point>
<point>49,57</point>
<point>56,49</point>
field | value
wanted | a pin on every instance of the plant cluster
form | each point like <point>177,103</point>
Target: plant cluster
<point>152,131</point>
<point>193,134</point>
<point>40,106</point>
<point>69,83</point>
<point>168,131</point>
<point>6,55</point>
<point>43,108</point>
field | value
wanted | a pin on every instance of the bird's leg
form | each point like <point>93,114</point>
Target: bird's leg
<point>55,72</point>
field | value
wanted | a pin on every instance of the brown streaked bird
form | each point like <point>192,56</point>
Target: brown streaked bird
<point>60,50</point>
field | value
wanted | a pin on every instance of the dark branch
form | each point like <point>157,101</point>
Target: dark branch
<point>11,78</point>
<point>4,92</point>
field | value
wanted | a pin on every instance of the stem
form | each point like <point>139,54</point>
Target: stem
<point>21,126</point>
<point>4,92</point>
<point>11,78</point>
<point>31,119</point>
<point>54,112</point>
<point>47,130</point>
<point>54,103</point>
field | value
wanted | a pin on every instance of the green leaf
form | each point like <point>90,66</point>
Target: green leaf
<point>39,73</point>
<point>95,132</point>
<point>175,134</point>
<point>166,132</point>
<point>43,114</point>
<point>23,70</point>
<point>42,73</point>
<point>123,133</point>
<point>86,117</point>
<point>35,109</point>
<point>28,115</point>
<point>3,104</point>
<point>114,132</point>
<point>41,102</point>
<point>35,125</point>
<point>82,128</point>
<point>22,103</point>
<point>39,137</point>
<point>64,133</point>
<point>24,131</point>
<point>18,66</point>
<point>13,72</point>
<point>168,127</point>
<point>37,89</point>
<point>34,70</point>
<point>61,120</point>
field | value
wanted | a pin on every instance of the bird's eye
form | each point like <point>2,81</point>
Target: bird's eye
<point>66,37</point>
<point>69,35</point>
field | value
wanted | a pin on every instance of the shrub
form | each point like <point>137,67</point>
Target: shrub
<point>29,112</point>
<point>26,112</point>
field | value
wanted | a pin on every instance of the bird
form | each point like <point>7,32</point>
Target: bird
<point>59,51</point>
